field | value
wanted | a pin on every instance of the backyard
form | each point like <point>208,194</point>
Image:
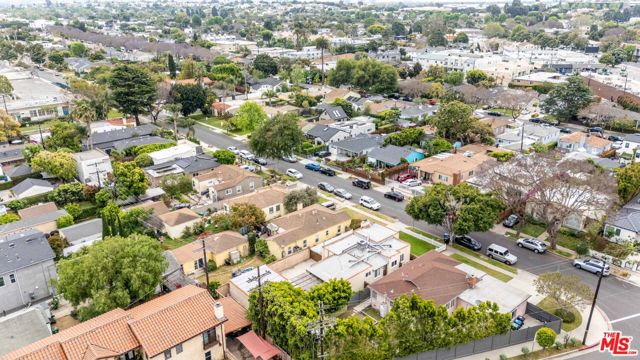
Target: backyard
<point>219,123</point>
<point>550,305</point>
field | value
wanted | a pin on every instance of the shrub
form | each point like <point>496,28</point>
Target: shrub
<point>503,357</point>
<point>64,221</point>
<point>566,315</point>
<point>67,193</point>
<point>213,289</point>
<point>525,351</point>
<point>102,197</point>
<point>582,248</point>
<point>74,210</point>
<point>8,218</point>
<point>502,156</point>
<point>546,337</point>
<point>262,249</point>
<point>211,265</point>
<point>629,103</point>
<point>558,345</point>
<point>16,205</point>
<point>143,160</point>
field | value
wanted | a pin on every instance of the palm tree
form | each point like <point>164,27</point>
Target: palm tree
<point>84,113</point>
<point>174,109</point>
<point>322,43</point>
<point>269,94</point>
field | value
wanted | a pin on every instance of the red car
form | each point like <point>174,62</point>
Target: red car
<point>405,176</point>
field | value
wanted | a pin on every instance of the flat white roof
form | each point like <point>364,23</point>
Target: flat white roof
<point>342,266</point>
<point>491,289</point>
<point>249,280</point>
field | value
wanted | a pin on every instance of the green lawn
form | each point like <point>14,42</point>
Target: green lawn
<point>44,125</point>
<point>372,313</point>
<point>114,113</point>
<point>219,123</point>
<point>549,305</point>
<point>418,246</point>
<point>424,233</point>
<point>568,241</point>
<point>496,274</point>
<point>170,244</point>
<point>503,111</point>
<point>533,229</point>
<point>484,258</point>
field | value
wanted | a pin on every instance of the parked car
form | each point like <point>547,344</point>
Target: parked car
<point>363,184</point>
<point>326,187</point>
<point>405,176</point>
<point>596,130</point>
<point>394,195</point>
<point>501,253</point>
<point>290,159</point>
<point>468,242</point>
<point>412,183</point>
<point>517,323</point>
<point>369,203</point>
<point>617,145</point>
<point>260,161</point>
<point>486,107</point>
<point>294,173</point>
<point>248,168</point>
<point>339,192</point>
<point>534,245</point>
<point>329,205</point>
<point>322,154</point>
<point>566,130</point>
<point>312,166</point>
<point>327,171</point>
<point>446,238</point>
<point>233,149</point>
<point>494,113</point>
<point>593,265</point>
<point>614,138</point>
<point>535,120</point>
<point>511,221</point>
<point>246,154</point>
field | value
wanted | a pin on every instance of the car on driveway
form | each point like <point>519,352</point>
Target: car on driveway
<point>394,195</point>
<point>468,242</point>
<point>593,265</point>
<point>294,173</point>
<point>260,161</point>
<point>290,159</point>
<point>326,187</point>
<point>248,168</point>
<point>517,323</point>
<point>615,138</point>
<point>246,154</point>
<point>534,245</point>
<point>312,166</point>
<point>362,184</point>
<point>369,203</point>
<point>327,171</point>
<point>405,176</point>
<point>566,130</point>
<point>511,221</point>
<point>339,192</point>
<point>322,154</point>
<point>412,183</point>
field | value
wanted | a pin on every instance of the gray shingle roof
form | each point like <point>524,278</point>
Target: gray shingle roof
<point>22,250</point>
<point>30,222</point>
<point>359,143</point>
<point>194,164</point>
<point>11,155</point>
<point>27,184</point>
<point>102,139</point>
<point>390,154</point>
<point>20,170</point>
<point>323,132</point>
<point>335,112</point>
<point>122,145</point>
<point>629,216</point>
<point>82,230</point>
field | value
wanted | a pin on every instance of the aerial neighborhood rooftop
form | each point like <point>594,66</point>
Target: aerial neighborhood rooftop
<point>319,180</point>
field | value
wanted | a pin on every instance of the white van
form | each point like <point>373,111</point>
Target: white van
<point>501,253</point>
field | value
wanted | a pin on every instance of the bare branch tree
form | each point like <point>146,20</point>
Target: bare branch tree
<point>515,100</point>
<point>413,87</point>
<point>163,97</point>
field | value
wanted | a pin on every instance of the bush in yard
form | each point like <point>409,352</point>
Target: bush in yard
<point>16,205</point>
<point>525,351</point>
<point>566,315</point>
<point>582,248</point>
<point>73,209</point>
<point>262,249</point>
<point>213,289</point>
<point>64,221</point>
<point>211,265</point>
<point>67,193</point>
<point>143,160</point>
<point>7,218</point>
<point>546,337</point>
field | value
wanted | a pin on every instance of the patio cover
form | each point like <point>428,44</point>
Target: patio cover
<point>258,347</point>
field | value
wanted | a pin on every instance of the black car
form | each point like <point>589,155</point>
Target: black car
<point>362,184</point>
<point>614,138</point>
<point>468,242</point>
<point>327,171</point>
<point>394,195</point>
<point>595,129</point>
<point>322,154</point>
<point>494,113</point>
<point>566,130</point>
<point>511,221</point>
<point>326,187</point>
<point>260,161</point>
<point>535,120</point>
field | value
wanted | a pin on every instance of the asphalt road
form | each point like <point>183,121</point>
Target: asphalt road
<point>618,299</point>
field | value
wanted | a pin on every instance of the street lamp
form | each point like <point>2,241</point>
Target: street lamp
<point>593,303</point>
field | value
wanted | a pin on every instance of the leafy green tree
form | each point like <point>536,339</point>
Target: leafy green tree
<point>567,99</point>
<point>436,73</point>
<point>245,214</point>
<point>67,194</point>
<point>546,337</point>
<point>269,94</point>
<point>628,179</point>
<point>307,197</point>
<point>74,210</point>
<point>85,113</point>
<point>30,151</point>
<point>367,74</point>
<point>17,204</point>
<point>130,180</point>
<point>398,28</point>
<point>132,89</point>
<point>454,78</point>
<point>565,290</point>
<point>493,30</point>
<point>265,64</point>
<point>191,97</point>
<point>436,38</point>
<point>64,221</point>
<point>224,156</point>
<point>460,209</point>
<point>176,185</point>
<point>439,145</point>
<point>37,53</point>
<point>111,218</point>
<point>8,218</point>
<point>143,160</point>
<point>249,116</point>
<point>266,36</point>
<point>345,105</point>
<point>519,33</point>
<point>59,164</point>
<point>103,197</point>
<point>64,135</point>
<point>277,137</point>
<point>56,57</point>
<point>356,339</point>
<point>474,77</point>
<point>171,64</point>
<point>9,127</point>
<point>607,59</point>
<point>334,294</point>
<point>405,137</point>
<point>229,72</point>
<point>78,49</point>
<point>453,120</point>
<point>111,273</point>
<point>461,38</point>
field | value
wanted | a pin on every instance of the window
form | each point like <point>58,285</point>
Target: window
<point>167,354</point>
<point>394,263</point>
<point>278,207</point>
<point>207,355</point>
<point>317,238</point>
<point>251,185</point>
<point>376,273</point>
<point>239,189</point>
<point>178,348</point>
<point>367,274</point>
<point>1,281</point>
<point>326,233</point>
<point>304,243</point>
<point>450,304</point>
<point>617,231</point>
<point>209,338</point>
<point>339,229</point>
<point>626,145</point>
<point>198,264</point>
<point>471,173</point>
<point>41,112</point>
<point>12,278</point>
<point>443,178</point>
<point>401,257</point>
<point>34,113</point>
<point>228,192</point>
<point>289,250</point>
<point>271,210</point>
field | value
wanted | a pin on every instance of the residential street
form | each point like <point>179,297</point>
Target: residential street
<point>618,299</point>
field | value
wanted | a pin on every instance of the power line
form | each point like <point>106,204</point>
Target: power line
<point>317,329</point>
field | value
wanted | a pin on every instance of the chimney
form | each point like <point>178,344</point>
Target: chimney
<point>472,280</point>
<point>218,311</point>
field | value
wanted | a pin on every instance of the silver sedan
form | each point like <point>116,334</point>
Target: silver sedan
<point>534,245</point>
<point>340,192</point>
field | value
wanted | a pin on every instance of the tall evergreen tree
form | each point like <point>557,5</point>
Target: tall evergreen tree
<point>171,63</point>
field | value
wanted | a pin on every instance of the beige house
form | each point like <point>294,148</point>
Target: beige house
<point>227,245</point>
<point>310,226</point>
<point>452,168</point>
<point>579,141</point>
<point>176,221</point>
<point>498,125</point>
<point>226,181</point>
<point>184,324</point>
<point>269,199</point>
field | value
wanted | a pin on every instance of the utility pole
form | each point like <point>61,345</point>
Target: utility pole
<point>593,305</point>
<point>261,306</point>
<point>204,256</point>
<point>97,172</point>
<point>317,329</point>
<point>41,137</point>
